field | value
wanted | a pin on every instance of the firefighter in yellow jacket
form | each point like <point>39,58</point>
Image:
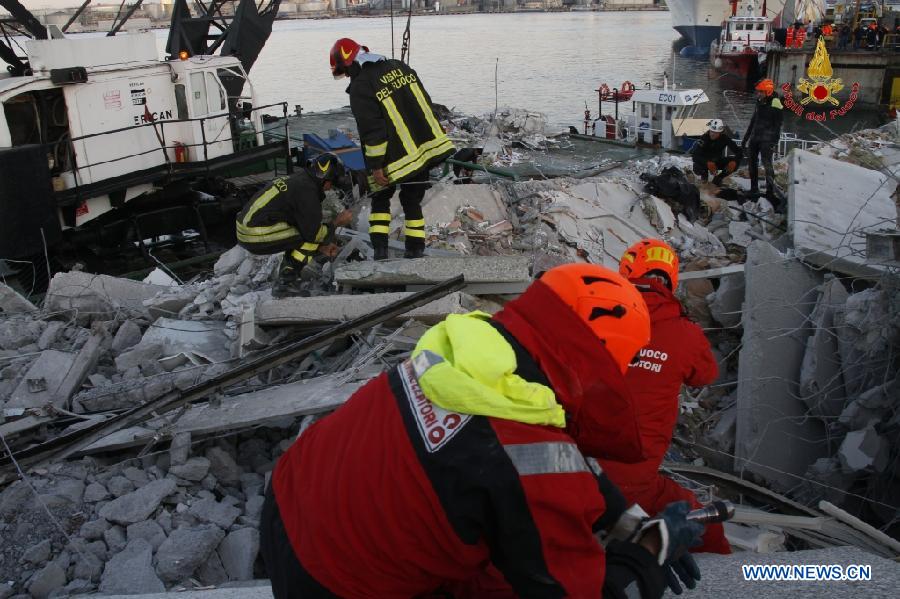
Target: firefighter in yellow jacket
<point>286,216</point>
<point>400,134</point>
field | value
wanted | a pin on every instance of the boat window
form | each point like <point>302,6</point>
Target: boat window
<point>760,27</point>
<point>214,90</point>
<point>645,111</point>
<point>181,101</point>
<point>739,26</point>
<point>234,82</point>
<point>198,95</point>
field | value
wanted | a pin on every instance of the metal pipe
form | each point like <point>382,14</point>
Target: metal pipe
<point>75,16</point>
<point>472,166</point>
<point>118,26</point>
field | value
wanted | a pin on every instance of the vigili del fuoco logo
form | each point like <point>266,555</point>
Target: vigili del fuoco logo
<point>819,89</point>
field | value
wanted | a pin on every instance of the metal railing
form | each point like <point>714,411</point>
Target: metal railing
<point>229,122</point>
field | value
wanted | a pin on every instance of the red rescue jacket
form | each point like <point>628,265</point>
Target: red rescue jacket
<point>678,353</point>
<point>393,496</point>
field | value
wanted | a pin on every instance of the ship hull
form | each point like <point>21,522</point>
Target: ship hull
<point>700,21</point>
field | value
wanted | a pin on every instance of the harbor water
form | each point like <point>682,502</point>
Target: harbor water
<point>549,62</point>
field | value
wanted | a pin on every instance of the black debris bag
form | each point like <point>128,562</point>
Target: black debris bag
<point>672,186</point>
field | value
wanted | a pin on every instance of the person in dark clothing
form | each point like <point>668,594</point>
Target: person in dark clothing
<point>463,174</point>
<point>843,36</point>
<point>709,153</point>
<point>872,37</point>
<point>400,134</point>
<point>763,134</point>
<point>469,459</point>
<point>286,216</point>
<point>858,36</point>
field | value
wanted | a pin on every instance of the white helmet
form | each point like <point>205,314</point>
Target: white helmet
<point>716,125</point>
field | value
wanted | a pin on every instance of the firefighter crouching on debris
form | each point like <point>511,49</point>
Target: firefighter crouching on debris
<point>468,454</point>
<point>401,138</point>
<point>762,136</point>
<point>678,353</point>
<point>709,153</point>
<point>286,217</point>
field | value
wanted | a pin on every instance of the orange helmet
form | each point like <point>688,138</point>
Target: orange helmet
<point>648,255</point>
<point>343,53</point>
<point>767,86</point>
<point>610,305</point>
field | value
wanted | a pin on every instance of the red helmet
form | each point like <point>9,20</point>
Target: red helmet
<point>343,53</point>
<point>648,255</point>
<point>611,306</point>
<point>767,86</point>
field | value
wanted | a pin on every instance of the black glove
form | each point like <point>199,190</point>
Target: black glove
<point>684,568</point>
<point>682,533</point>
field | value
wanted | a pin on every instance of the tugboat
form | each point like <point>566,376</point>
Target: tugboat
<point>743,44</point>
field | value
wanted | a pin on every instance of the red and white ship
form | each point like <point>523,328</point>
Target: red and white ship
<point>744,43</point>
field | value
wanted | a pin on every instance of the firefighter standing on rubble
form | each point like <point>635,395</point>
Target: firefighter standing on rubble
<point>286,217</point>
<point>709,153</point>
<point>470,454</point>
<point>400,134</point>
<point>678,353</point>
<point>762,136</point>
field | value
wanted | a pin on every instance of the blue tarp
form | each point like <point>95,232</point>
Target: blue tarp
<point>338,143</point>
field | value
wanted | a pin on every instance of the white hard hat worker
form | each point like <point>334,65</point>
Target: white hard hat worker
<point>716,126</point>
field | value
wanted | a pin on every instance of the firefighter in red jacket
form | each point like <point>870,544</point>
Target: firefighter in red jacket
<point>678,353</point>
<point>469,456</point>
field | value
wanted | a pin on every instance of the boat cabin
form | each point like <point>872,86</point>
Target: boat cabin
<point>742,33</point>
<point>660,116</point>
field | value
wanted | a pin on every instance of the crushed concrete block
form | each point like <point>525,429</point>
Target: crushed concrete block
<point>214,512</point>
<point>250,336</point>
<point>37,554</point>
<point>131,571</point>
<point>47,580</point>
<point>775,436</point>
<point>180,449</point>
<point>13,303</point>
<point>94,530</point>
<point>147,530</point>
<point>141,353</point>
<point>238,553</point>
<point>160,277</point>
<point>95,492</point>
<point>212,572</point>
<point>96,297</point>
<point>726,306</point>
<point>140,504</point>
<point>864,450</point>
<point>833,233</point>
<point>442,201</point>
<point>324,309</point>
<point>740,233</point>
<point>200,341</point>
<point>428,271</point>
<point>223,466</point>
<point>230,261</point>
<point>821,375</point>
<point>170,302</point>
<point>115,539</point>
<point>39,385</point>
<point>195,469</point>
<point>128,335</point>
<point>253,507</point>
<point>48,337</point>
<point>185,550</point>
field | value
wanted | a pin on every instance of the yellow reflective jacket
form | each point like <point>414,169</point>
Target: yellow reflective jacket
<point>477,374</point>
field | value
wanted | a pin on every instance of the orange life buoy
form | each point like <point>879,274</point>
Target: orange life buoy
<point>628,86</point>
<point>604,91</point>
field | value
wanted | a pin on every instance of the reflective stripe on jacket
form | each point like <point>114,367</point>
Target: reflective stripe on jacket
<point>397,125</point>
<point>290,207</point>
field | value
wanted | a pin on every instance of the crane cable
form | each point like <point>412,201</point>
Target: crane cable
<point>404,50</point>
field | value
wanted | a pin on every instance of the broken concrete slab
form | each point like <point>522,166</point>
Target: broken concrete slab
<point>131,571</point>
<point>726,306</point>
<point>96,297</point>
<point>199,341</point>
<point>138,505</point>
<point>137,355</point>
<point>185,549</point>
<point>55,376</point>
<point>128,335</point>
<point>864,450</point>
<point>832,233</point>
<point>427,271</point>
<point>13,303</point>
<point>315,311</point>
<point>441,202</point>
<point>230,261</point>
<point>753,538</point>
<point>250,336</point>
<point>821,375</point>
<point>238,553</point>
<point>776,439</point>
<point>312,396</point>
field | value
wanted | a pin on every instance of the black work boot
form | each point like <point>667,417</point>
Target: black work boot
<point>289,283</point>
<point>380,245</point>
<point>415,247</point>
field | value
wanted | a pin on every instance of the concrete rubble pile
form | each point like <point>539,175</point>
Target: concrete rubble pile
<point>807,334</point>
